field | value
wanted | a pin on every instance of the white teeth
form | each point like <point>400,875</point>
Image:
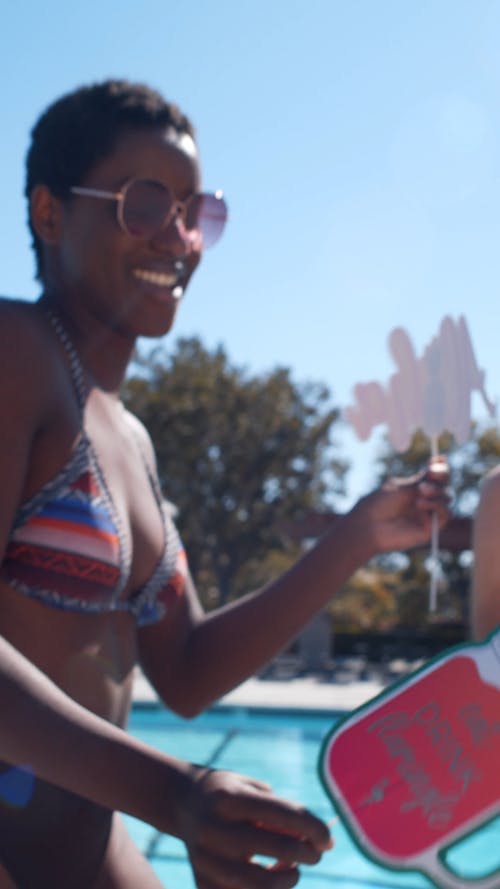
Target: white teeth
<point>161,279</point>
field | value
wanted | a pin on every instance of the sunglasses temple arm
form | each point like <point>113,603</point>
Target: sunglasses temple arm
<point>97,193</point>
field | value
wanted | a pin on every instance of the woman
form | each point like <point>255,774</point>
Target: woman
<point>93,576</point>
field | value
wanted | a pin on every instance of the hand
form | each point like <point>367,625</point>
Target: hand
<point>229,818</point>
<point>399,515</point>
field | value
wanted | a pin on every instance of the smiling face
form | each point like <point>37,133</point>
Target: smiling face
<point>132,283</point>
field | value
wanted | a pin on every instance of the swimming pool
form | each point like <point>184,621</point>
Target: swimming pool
<point>281,748</point>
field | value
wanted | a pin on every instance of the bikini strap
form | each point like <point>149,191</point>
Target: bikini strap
<point>76,368</point>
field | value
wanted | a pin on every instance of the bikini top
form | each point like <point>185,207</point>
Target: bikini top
<point>67,547</point>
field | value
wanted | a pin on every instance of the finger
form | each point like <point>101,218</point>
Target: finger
<point>282,867</point>
<point>233,782</point>
<point>219,873</point>
<point>431,489</point>
<point>244,841</point>
<point>428,500</point>
<point>276,815</point>
<point>260,785</point>
<point>437,471</point>
<point>404,482</point>
<point>425,522</point>
<point>430,496</point>
<point>443,517</point>
<point>202,883</point>
<point>434,503</point>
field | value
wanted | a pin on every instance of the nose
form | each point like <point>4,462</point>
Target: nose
<point>174,238</point>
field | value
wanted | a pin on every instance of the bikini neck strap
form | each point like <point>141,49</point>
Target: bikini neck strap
<point>76,368</point>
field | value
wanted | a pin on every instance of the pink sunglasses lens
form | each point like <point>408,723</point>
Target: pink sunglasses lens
<point>148,204</point>
<point>145,207</point>
<point>207,213</point>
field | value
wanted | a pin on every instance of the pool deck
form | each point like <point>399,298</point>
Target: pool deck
<point>312,692</point>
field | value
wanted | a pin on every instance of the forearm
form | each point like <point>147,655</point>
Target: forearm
<point>485,602</point>
<point>231,643</point>
<point>69,746</point>
<point>194,659</point>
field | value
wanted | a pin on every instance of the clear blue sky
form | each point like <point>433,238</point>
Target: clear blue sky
<point>357,142</point>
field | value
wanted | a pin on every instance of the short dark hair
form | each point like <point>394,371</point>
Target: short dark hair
<point>81,128</point>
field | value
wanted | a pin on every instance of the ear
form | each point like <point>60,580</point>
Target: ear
<point>46,214</point>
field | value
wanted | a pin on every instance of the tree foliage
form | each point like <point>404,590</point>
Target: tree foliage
<point>468,465</point>
<point>239,455</point>
<point>368,602</point>
<point>243,456</point>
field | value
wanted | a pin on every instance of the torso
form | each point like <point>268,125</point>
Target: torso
<point>89,656</point>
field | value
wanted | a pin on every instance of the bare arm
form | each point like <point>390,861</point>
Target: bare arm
<point>69,746</point>
<point>485,605</point>
<point>223,818</point>
<point>40,726</point>
<point>455,537</point>
<point>193,658</point>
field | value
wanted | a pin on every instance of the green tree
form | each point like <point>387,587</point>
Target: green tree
<point>239,456</point>
<point>469,463</point>
<point>367,602</point>
<point>468,466</point>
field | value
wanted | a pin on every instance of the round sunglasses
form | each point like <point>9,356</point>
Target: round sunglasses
<point>145,206</point>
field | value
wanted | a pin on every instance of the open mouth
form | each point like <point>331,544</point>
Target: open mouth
<point>172,280</point>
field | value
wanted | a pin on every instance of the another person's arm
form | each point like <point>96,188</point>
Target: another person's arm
<point>485,604</point>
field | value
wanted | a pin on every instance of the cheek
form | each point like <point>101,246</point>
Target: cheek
<point>88,254</point>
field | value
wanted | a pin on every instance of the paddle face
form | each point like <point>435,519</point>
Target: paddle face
<point>417,769</point>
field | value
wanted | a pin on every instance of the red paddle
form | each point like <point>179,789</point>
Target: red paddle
<point>417,769</point>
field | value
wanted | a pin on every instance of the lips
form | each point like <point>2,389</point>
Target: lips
<point>171,279</point>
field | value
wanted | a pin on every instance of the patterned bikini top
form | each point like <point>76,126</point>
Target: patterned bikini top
<point>67,547</point>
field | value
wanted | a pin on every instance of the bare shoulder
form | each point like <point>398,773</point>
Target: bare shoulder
<point>21,329</point>
<point>28,390</point>
<point>27,357</point>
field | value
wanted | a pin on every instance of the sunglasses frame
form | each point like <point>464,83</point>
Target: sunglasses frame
<point>178,209</point>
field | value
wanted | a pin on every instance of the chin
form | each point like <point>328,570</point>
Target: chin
<point>156,323</point>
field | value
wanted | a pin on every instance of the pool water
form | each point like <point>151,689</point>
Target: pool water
<point>281,748</point>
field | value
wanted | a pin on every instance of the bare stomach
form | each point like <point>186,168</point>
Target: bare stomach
<point>53,837</point>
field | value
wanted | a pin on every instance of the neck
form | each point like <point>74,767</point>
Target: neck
<point>104,350</point>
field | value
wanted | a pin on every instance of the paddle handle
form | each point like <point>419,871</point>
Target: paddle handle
<point>446,879</point>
